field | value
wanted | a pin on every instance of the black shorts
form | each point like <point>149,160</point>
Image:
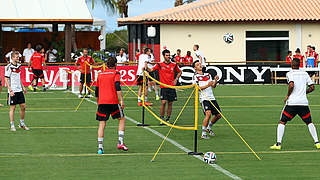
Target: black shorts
<point>37,73</point>
<point>18,98</point>
<point>83,78</point>
<point>207,106</point>
<point>153,75</point>
<point>168,94</point>
<point>289,112</point>
<point>140,80</point>
<point>105,110</point>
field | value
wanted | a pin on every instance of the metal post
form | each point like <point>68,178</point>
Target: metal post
<point>143,94</point>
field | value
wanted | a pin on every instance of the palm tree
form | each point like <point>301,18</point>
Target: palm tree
<point>181,2</point>
<point>116,6</point>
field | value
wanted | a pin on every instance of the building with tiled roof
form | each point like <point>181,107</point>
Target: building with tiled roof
<point>262,30</point>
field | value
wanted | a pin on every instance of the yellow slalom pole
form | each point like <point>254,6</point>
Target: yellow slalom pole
<point>234,129</point>
<point>164,139</point>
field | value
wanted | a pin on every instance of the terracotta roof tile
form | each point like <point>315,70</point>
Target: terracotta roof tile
<point>234,10</point>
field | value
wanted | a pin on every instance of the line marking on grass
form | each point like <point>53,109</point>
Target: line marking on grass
<point>217,167</point>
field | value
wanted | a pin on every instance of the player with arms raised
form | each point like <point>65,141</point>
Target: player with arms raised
<point>205,83</point>
<point>15,90</point>
<point>108,91</point>
<point>297,103</point>
<point>167,71</point>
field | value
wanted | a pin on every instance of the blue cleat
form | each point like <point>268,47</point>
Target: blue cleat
<point>100,151</point>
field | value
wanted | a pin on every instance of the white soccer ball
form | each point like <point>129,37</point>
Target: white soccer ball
<point>210,157</point>
<point>101,38</point>
<point>228,38</point>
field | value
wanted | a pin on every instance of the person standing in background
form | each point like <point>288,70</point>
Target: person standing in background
<point>27,53</point>
<point>289,57</point>
<point>299,56</point>
<point>121,59</point>
<point>8,58</point>
<point>188,59</point>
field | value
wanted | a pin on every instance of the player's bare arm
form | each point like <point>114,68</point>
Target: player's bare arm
<point>24,89</point>
<point>45,65</point>
<point>216,78</point>
<point>8,85</point>
<point>310,89</point>
<point>177,78</point>
<point>290,89</point>
<point>206,86</point>
<point>29,65</point>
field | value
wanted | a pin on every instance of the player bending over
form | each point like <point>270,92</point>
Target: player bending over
<point>167,71</point>
<point>205,83</point>
<point>297,102</point>
<point>85,70</point>
<point>108,91</point>
<point>143,60</point>
<point>36,62</point>
<point>15,90</point>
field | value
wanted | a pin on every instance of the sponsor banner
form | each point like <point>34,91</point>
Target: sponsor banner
<point>59,75</point>
<point>227,74</point>
<point>232,74</point>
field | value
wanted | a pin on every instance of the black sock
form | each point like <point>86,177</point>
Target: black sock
<point>316,142</point>
<point>168,118</point>
<point>162,117</point>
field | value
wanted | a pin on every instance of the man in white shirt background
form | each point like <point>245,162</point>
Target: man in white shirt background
<point>27,53</point>
<point>297,103</point>
<point>200,57</point>
<point>122,58</point>
<point>7,57</point>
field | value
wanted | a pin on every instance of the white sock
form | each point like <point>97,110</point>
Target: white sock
<point>22,122</point>
<point>100,143</point>
<point>204,131</point>
<point>12,124</point>
<point>121,135</point>
<point>139,99</point>
<point>157,93</point>
<point>145,98</point>
<point>280,132</point>
<point>313,132</point>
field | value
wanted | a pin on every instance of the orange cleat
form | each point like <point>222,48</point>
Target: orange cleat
<point>147,103</point>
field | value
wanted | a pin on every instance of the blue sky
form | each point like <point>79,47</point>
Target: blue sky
<point>135,8</point>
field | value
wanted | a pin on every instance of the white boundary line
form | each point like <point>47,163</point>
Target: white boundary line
<point>217,167</point>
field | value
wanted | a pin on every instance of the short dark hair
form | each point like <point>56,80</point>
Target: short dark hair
<point>298,50</point>
<point>314,48</point>
<point>197,46</point>
<point>38,47</point>
<point>289,52</point>
<point>146,50</point>
<point>309,46</point>
<point>188,53</point>
<point>28,43</point>
<point>164,52</point>
<point>178,50</point>
<point>194,63</point>
<point>296,61</point>
<point>137,50</point>
<point>111,62</point>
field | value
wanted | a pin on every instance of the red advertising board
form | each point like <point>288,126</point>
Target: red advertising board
<point>52,75</point>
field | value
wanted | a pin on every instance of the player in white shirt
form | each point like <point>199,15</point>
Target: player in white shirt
<point>297,103</point>
<point>8,55</point>
<point>16,90</point>
<point>151,64</point>
<point>143,61</point>
<point>27,53</point>
<point>207,99</point>
<point>200,57</point>
<point>122,58</point>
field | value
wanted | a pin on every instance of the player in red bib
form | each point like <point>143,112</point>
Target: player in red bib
<point>36,63</point>
<point>167,71</point>
<point>188,60</point>
<point>85,70</point>
<point>299,56</point>
<point>316,56</point>
<point>178,58</point>
<point>289,57</point>
<point>108,91</point>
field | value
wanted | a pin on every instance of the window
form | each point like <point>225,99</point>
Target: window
<point>267,45</point>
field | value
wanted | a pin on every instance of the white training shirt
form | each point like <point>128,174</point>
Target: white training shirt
<point>8,55</point>
<point>203,80</point>
<point>13,73</point>
<point>121,59</point>
<point>301,79</point>
<point>199,53</point>
<point>27,53</point>
<point>151,60</point>
<point>143,58</point>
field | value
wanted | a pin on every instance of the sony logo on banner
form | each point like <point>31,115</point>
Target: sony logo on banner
<point>232,74</point>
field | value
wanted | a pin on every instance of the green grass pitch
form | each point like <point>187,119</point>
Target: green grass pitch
<point>62,144</point>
